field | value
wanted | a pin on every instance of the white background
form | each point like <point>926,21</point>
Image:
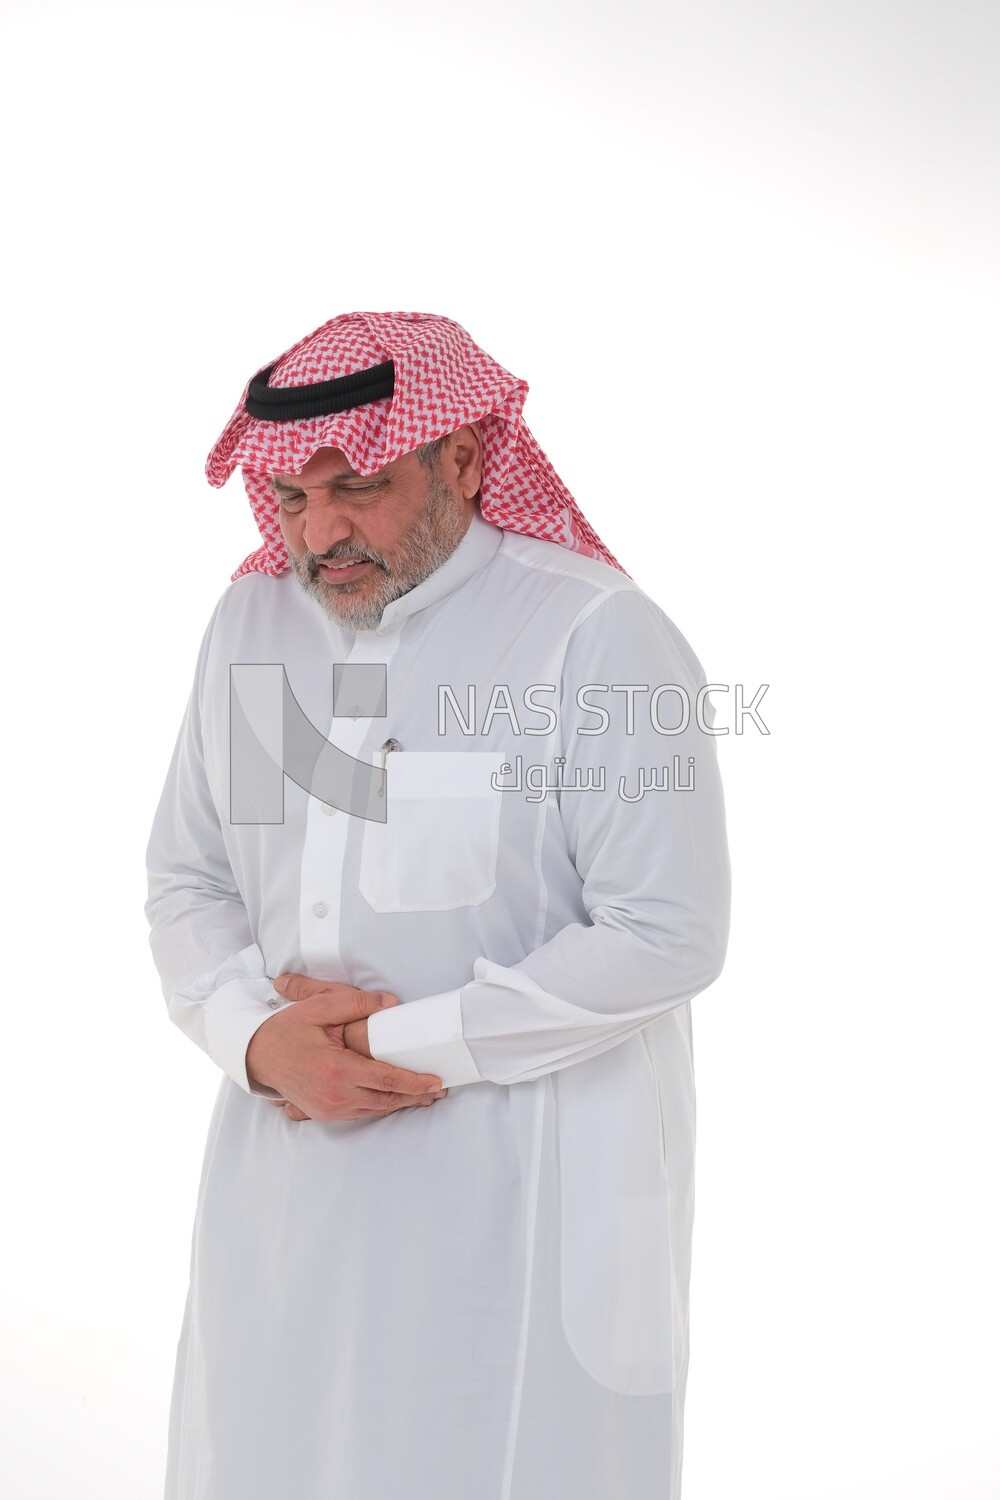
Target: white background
<point>746,255</point>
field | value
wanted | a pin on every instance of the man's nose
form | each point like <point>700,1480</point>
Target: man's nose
<point>325,526</point>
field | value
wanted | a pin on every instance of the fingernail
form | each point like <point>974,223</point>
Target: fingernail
<point>442,1094</point>
<point>432,1088</point>
<point>388,1000</point>
<point>279,984</point>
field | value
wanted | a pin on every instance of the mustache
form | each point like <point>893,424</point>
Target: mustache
<point>312,561</point>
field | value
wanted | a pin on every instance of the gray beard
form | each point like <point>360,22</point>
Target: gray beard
<point>428,544</point>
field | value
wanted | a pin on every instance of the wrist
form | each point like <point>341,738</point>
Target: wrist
<point>356,1037</point>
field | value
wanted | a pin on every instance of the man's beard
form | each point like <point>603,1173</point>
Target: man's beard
<point>429,543</point>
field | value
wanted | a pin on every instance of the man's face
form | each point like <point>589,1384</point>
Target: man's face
<point>356,543</point>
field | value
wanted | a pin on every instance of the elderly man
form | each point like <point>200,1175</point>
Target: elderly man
<point>439,864</point>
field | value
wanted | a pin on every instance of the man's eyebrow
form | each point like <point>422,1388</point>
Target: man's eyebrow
<point>326,484</point>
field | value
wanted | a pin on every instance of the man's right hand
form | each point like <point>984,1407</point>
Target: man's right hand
<point>301,1053</point>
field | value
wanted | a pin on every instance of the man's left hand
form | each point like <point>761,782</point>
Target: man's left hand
<point>355,1034</point>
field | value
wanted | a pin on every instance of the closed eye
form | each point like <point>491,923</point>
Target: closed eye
<point>360,489</point>
<point>294,500</point>
<point>290,501</point>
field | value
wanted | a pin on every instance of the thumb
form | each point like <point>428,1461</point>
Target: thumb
<point>298,986</point>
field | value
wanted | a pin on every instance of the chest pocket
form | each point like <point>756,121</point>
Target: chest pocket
<point>437,849</point>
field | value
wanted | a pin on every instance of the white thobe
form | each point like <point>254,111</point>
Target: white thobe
<point>485,1299</point>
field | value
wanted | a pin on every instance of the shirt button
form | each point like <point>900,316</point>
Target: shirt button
<point>320,909</point>
<point>273,1003</point>
<point>329,809</point>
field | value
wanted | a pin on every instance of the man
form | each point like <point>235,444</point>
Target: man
<point>443,1232</point>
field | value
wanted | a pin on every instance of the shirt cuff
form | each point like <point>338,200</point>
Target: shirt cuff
<point>232,1014</point>
<point>425,1036</point>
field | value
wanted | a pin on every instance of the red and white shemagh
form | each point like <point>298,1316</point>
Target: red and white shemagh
<point>443,381</point>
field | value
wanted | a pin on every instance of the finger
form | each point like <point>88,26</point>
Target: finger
<point>382,999</point>
<point>344,1005</point>
<point>373,1076</point>
<point>357,1005</point>
<point>294,1113</point>
<point>298,986</point>
<point>344,1002</point>
<point>392,1102</point>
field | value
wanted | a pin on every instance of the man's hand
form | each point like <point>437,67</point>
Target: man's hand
<point>303,1053</point>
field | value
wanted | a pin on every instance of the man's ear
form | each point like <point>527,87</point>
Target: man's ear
<point>462,460</point>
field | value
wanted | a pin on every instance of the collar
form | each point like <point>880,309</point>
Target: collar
<point>477,547</point>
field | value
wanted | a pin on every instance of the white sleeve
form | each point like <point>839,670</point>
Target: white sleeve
<point>212,971</point>
<point>655,878</point>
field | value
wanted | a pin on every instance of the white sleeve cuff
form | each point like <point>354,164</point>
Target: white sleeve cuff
<point>425,1036</point>
<point>232,1014</point>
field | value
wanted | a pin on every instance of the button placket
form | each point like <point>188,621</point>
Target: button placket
<point>326,835</point>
